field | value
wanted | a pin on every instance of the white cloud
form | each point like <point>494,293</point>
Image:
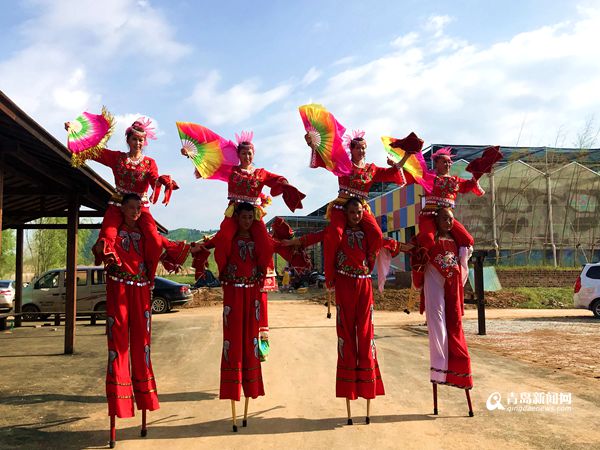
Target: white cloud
<point>235,104</point>
<point>311,76</point>
<point>70,48</point>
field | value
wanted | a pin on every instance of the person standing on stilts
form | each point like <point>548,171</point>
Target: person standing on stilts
<point>129,375</point>
<point>242,316</point>
<point>441,274</point>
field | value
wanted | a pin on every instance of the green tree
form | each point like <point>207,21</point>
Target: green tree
<point>7,257</point>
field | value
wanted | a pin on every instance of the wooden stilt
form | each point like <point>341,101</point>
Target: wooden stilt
<point>144,431</point>
<point>469,403</point>
<point>435,405</point>
<point>328,304</point>
<point>113,433</point>
<point>368,419</point>
<point>245,421</point>
<point>348,409</point>
<point>233,416</point>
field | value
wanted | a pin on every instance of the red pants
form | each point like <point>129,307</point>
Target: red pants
<point>333,236</point>
<point>427,229</point>
<point>240,363</point>
<point>224,238</point>
<point>113,218</point>
<point>357,368</point>
<point>128,328</point>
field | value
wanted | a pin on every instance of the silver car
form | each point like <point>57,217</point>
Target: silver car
<point>7,295</point>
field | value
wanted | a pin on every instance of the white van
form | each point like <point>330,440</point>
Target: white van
<point>47,293</point>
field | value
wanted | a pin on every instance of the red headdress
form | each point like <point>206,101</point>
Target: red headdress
<point>445,151</point>
<point>356,135</point>
<point>141,127</point>
<point>244,138</point>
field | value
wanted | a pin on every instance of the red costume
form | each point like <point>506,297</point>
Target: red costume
<point>242,316</point>
<point>128,326</point>
<point>133,177</point>
<point>358,372</point>
<point>443,300</point>
<point>246,186</point>
<point>358,185</point>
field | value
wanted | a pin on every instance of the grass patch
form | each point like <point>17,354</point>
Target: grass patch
<point>543,298</point>
<point>185,279</point>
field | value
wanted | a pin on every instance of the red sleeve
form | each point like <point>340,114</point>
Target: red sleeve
<point>108,157</point>
<point>272,179</point>
<point>279,185</point>
<point>153,175</point>
<point>472,185</point>
<point>312,238</point>
<point>389,175</point>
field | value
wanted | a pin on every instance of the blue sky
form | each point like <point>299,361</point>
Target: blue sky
<point>467,72</point>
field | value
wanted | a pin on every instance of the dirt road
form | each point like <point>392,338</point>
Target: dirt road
<point>48,400</point>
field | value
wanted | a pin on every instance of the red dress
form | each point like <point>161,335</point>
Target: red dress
<point>134,178</point>
<point>358,185</point>
<point>443,298</point>
<point>242,316</point>
<point>128,326</point>
<point>246,186</point>
<point>443,195</point>
<point>358,372</point>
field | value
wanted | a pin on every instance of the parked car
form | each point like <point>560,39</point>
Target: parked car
<point>47,293</point>
<point>208,280</point>
<point>587,289</point>
<point>7,295</point>
<point>167,293</point>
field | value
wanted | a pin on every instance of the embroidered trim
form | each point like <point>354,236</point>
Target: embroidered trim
<point>452,384</point>
<point>130,283</point>
<point>144,392</point>
<point>353,275</point>
<point>243,198</point>
<point>240,285</point>
<point>143,381</point>
<point>118,384</point>
<point>111,395</point>
<point>353,192</point>
<point>347,380</point>
<point>450,372</point>
<point>439,201</point>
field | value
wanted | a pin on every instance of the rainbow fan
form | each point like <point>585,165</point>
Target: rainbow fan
<point>327,133</point>
<point>87,135</point>
<point>212,155</point>
<point>414,163</point>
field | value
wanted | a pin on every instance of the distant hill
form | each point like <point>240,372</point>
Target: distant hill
<point>188,234</point>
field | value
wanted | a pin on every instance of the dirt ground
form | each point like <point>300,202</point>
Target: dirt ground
<point>49,400</point>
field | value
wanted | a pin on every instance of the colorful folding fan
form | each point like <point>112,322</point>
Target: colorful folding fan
<point>213,156</point>
<point>327,133</point>
<point>415,164</point>
<point>87,135</point>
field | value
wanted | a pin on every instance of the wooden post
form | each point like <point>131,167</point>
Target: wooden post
<point>478,257</point>
<point>550,219</point>
<point>71,275</point>
<point>19,276</point>
<point>1,196</point>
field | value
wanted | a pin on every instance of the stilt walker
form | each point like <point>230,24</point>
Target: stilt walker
<point>129,375</point>
<point>358,373</point>
<point>134,173</point>
<point>441,274</point>
<point>241,280</point>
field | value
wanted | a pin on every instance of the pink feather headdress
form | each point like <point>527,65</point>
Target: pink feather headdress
<point>142,127</point>
<point>244,136</point>
<point>356,134</point>
<point>445,151</point>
